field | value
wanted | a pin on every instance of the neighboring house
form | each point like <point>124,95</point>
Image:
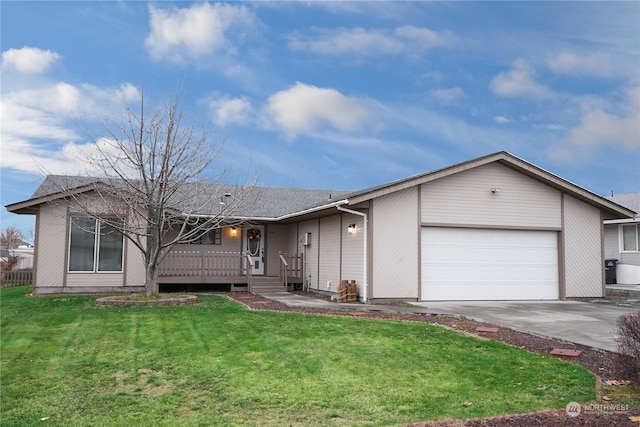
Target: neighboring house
<point>622,240</point>
<point>4,255</point>
<point>492,228</point>
<point>22,257</point>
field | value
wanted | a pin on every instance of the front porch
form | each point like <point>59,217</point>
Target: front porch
<point>203,266</point>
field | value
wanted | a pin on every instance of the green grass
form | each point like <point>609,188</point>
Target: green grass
<point>70,363</point>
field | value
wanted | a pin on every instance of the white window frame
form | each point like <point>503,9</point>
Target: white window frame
<point>621,237</point>
<point>96,250</point>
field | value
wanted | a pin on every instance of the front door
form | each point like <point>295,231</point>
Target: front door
<point>253,245</point>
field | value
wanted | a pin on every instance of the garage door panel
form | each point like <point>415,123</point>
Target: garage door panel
<point>478,292</point>
<point>478,264</point>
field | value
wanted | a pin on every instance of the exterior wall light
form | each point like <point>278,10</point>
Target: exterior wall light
<point>233,231</point>
<point>495,190</point>
<point>351,228</point>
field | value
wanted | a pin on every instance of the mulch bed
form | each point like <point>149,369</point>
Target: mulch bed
<point>604,365</point>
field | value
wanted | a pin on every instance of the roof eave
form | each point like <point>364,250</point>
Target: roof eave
<point>508,160</point>
<point>31,206</point>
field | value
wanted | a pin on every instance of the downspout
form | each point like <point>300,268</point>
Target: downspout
<point>364,243</point>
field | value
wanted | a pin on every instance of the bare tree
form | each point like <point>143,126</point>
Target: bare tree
<point>153,192</point>
<point>11,237</point>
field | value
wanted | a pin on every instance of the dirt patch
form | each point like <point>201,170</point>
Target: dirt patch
<point>605,365</point>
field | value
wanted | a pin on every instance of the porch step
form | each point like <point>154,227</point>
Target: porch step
<point>263,284</point>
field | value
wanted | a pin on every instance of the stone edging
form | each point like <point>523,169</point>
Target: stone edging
<point>117,301</point>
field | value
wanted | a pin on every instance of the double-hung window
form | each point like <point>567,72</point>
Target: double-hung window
<point>631,238</point>
<point>94,246</point>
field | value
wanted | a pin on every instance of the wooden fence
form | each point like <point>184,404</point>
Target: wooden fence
<point>15,278</point>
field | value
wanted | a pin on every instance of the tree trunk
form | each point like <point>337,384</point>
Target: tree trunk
<point>151,280</point>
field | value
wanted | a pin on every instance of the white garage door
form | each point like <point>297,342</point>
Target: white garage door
<point>479,264</point>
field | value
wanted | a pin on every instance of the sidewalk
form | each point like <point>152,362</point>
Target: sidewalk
<point>297,300</point>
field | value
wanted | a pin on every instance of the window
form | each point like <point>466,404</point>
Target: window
<point>631,237</point>
<point>94,246</point>
<point>211,237</point>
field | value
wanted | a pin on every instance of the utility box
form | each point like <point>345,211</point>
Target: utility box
<point>610,271</point>
<point>306,239</point>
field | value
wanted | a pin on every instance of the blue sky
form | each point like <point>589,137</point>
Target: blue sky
<point>337,95</point>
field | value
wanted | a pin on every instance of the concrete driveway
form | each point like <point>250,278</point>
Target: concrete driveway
<point>593,325</point>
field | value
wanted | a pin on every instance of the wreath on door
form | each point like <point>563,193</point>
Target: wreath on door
<point>253,234</point>
<point>253,241</point>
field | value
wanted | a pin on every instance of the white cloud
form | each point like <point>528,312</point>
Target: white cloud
<point>39,126</point>
<point>29,60</point>
<point>601,124</point>
<point>303,108</point>
<point>519,81</point>
<point>501,119</point>
<point>190,33</point>
<point>423,38</point>
<point>62,100</point>
<point>231,111</point>
<point>448,96</point>
<point>356,41</point>
<point>601,127</point>
<point>596,64</point>
<point>69,159</point>
<point>363,43</point>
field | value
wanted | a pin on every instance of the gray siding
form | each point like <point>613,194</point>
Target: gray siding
<point>230,242</point>
<point>94,280</point>
<point>396,226</point>
<point>134,265</point>
<point>329,253</point>
<point>582,249</point>
<point>276,242</point>
<point>632,258</point>
<point>293,242</point>
<point>311,251</point>
<point>352,250</point>
<point>611,245</point>
<point>52,232</point>
<point>466,199</point>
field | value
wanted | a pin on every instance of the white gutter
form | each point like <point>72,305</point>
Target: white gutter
<point>365,285</point>
<point>621,221</point>
<point>279,218</point>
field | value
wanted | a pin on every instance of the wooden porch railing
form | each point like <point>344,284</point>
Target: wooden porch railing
<point>249,272</point>
<point>206,263</point>
<point>284,270</point>
<point>201,263</point>
<point>291,266</point>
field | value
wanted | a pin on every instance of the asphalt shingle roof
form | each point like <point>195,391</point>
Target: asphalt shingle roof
<point>628,200</point>
<point>248,201</point>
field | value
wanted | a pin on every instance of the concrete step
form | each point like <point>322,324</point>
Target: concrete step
<point>267,284</point>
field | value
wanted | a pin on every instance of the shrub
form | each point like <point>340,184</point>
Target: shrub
<point>629,343</point>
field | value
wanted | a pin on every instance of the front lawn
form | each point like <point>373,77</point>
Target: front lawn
<point>66,362</point>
